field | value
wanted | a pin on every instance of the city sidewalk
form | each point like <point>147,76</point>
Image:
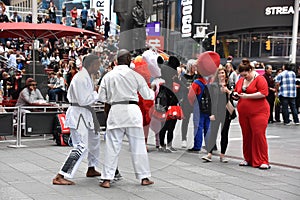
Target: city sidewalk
<point>26,173</point>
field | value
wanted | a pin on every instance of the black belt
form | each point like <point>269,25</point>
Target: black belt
<point>125,102</point>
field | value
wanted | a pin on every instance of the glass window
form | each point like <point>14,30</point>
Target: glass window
<point>281,44</point>
<point>255,45</point>
<point>245,45</point>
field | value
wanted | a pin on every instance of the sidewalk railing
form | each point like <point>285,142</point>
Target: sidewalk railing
<point>36,120</point>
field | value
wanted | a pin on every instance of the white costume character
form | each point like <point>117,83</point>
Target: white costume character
<point>119,88</point>
<point>83,124</point>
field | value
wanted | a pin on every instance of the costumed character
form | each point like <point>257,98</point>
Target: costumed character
<point>168,72</point>
<point>141,67</point>
<point>82,121</point>
<point>153,60</point>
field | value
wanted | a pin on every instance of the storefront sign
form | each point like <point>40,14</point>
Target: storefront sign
<point>187,18</point>
<point>279,10</point>
<point>156,42</point>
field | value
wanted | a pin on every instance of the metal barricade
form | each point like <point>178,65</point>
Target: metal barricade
<point>40,122</point>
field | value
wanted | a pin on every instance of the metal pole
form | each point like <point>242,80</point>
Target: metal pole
<point>34,11</point>
<point>295,32</point>
<point>19,127</point>
<point>202,11</point>
<point>215,46</point>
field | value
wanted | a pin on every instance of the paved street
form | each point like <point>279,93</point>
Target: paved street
<point>26,173</point>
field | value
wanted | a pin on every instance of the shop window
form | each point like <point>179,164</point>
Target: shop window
<point>255,45</point>
<point>245,41</point>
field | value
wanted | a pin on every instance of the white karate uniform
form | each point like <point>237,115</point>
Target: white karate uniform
<point>123,84</point>
<point>79,119</point>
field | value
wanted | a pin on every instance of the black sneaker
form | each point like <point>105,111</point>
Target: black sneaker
<point>193,150</point>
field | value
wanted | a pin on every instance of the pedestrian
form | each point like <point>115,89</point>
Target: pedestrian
<point>82,121</point>
<point>286,85</point>
<point>52,12</point>
<point>253,108</point>
<point>272,90</point>
<point>106,28</point>
<point>199,97</point>
<point>277,101</point>
<point>220,114</point>
<point>84,17</point>
<point>29,96</point>
<point>187,79</point>
<point>120,88</point>
<point>298,89</point>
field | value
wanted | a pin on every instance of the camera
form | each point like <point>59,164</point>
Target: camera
<point>235,96</point>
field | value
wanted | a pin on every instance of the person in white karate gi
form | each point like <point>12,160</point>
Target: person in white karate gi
<point>120,88</point>
<point>83,123</point>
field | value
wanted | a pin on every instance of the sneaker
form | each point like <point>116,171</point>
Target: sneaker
<point>287,124</point>
<point>172,148</point>
<point>161,149</point>
<point>206,158</point>
<point>297,123</point>
<point>164,149</point>
<point>224,160</point>
<point>184,144</point>
<point>193,150</point>
<point>168,150</point>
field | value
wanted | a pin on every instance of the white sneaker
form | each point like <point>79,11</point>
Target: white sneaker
<point>184,144</point>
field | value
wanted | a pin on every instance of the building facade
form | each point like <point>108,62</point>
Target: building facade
<point>243,27</point>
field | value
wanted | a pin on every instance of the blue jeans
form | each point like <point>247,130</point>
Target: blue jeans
<point>53,92</point>
<point>202,130</point>
<point>285,102</point>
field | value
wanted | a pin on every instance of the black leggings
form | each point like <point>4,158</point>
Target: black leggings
<point>168,126</point>
<point>224,133</point>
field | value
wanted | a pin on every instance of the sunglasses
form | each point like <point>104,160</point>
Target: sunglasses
<point>33,85</point>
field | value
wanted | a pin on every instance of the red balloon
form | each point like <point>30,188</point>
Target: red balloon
<point>208,63</point>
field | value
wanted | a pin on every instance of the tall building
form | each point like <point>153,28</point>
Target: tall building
<point>244,28</point>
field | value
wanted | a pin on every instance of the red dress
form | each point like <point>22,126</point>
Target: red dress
<point>98,19</point>
<point>253,118</point>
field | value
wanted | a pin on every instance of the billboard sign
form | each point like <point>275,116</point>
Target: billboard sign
<point>153,29</point>
<point>156,42</point>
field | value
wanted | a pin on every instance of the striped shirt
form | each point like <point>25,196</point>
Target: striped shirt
<point>287,83</point>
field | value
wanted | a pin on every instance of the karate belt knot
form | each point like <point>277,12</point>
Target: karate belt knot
<point>95,120</point>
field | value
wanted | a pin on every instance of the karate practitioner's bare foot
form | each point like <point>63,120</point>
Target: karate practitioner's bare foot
<point>91,172</point>
<point>105,184</point>
<point>60,180</point>
<point>146,181</point>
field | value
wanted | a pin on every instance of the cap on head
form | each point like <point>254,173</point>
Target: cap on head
<point>29,81</point>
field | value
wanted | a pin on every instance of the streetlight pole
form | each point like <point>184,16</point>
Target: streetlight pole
<point>295,32</point>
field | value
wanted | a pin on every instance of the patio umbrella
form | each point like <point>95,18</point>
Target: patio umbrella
<point>30,32</point>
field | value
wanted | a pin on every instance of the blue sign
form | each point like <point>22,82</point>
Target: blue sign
<point>153,29</point>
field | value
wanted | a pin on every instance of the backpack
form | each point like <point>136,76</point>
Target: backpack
<point>203,98</point>
<point>61,134</point>
<point>162,100</point>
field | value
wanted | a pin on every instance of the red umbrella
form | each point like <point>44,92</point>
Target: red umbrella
<point>31,31</point>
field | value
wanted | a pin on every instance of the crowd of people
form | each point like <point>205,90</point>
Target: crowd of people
<point>77,66</point>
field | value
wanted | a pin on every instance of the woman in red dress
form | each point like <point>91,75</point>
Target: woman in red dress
<point>98,17</point>
<point>251,91</point>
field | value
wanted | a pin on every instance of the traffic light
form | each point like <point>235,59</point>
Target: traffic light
<point>268,45</point>
<point>213,40</point>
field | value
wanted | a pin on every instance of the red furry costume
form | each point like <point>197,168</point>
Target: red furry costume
<point>141,67</point>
